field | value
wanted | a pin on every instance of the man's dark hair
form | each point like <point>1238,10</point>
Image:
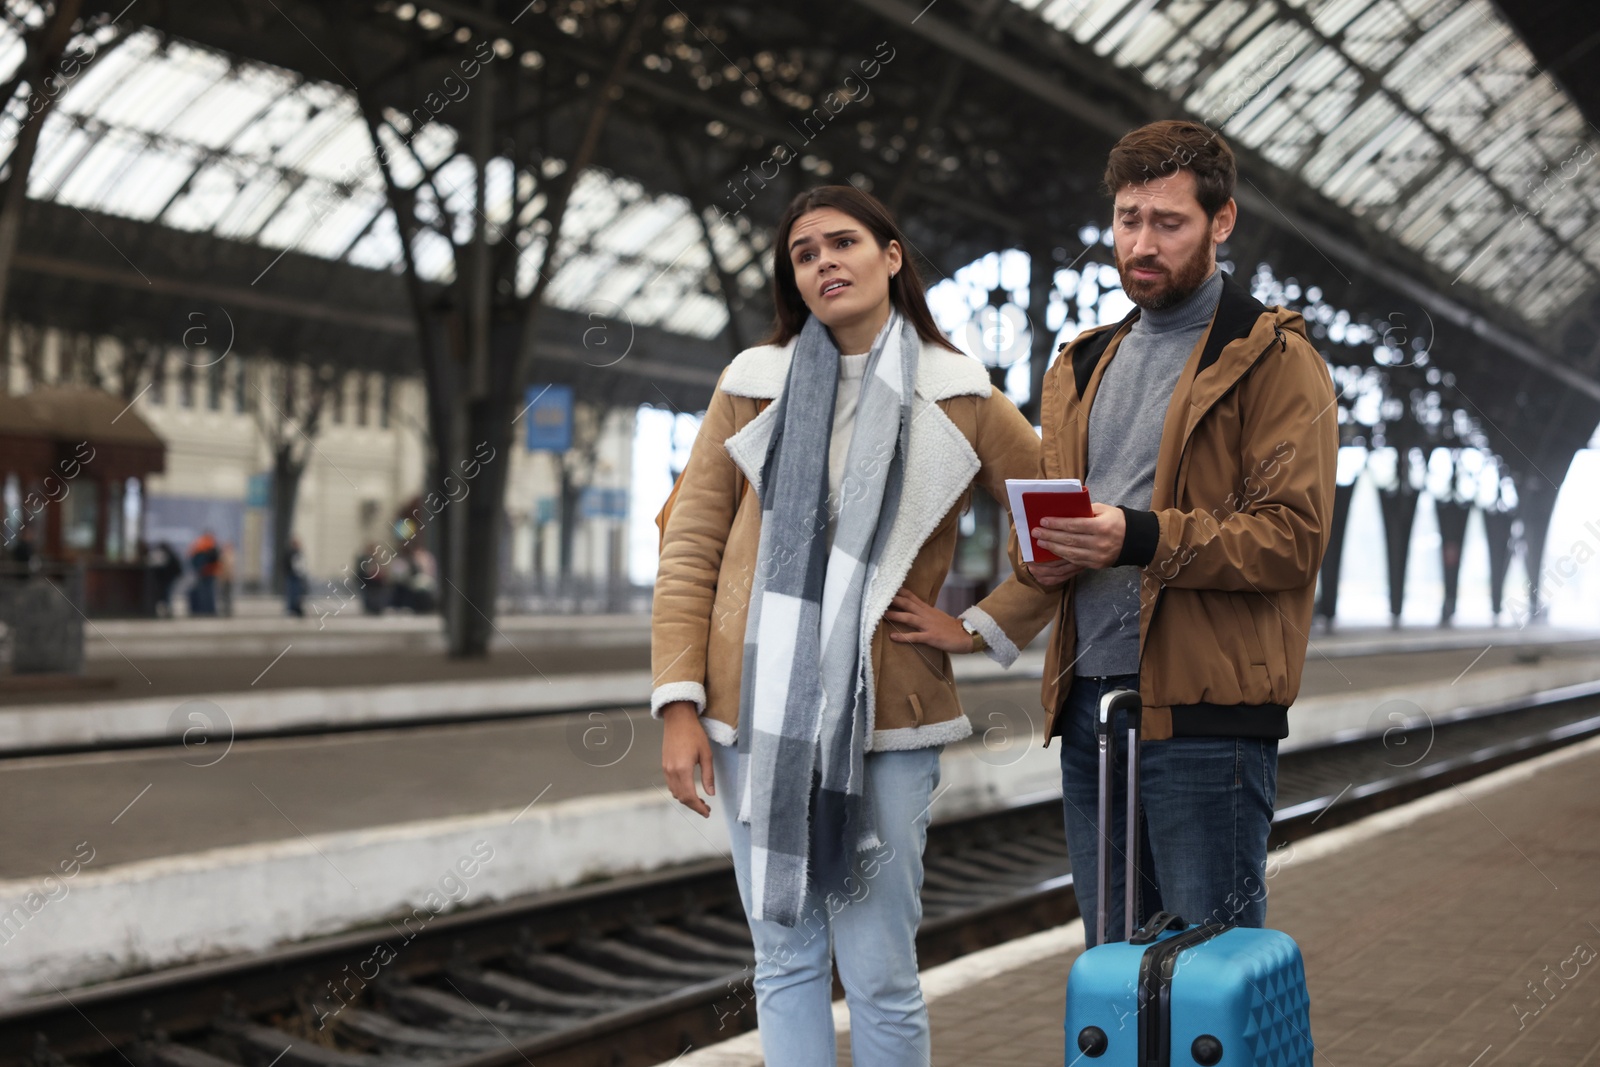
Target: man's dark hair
<point>1161,149</point>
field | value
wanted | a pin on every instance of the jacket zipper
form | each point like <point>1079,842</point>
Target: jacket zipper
<point>1277,339</point>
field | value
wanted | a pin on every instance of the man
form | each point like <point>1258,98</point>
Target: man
<point>23,553</point>
<point>294,578</point>
<point>1204,427</point>
<point>163,560</point>
<point>203,558</point>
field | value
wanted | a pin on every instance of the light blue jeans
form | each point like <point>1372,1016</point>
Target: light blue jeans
<point>869,927</point>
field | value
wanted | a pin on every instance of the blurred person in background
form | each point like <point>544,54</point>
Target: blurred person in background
<point>294,578</point>
<point>24,553</point>
<point>225,579</point>
<point>422,585</point>
<point>165,569</point>
<point>398,573</point>
<point>204,561</point>
<point>374,580</point>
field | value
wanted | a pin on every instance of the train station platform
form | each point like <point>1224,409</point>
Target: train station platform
<point>150,681</point>
<point>347,827</point>
<point>1460,930</point>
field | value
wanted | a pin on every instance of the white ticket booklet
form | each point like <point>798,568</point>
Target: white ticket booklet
<point>1035,498</point>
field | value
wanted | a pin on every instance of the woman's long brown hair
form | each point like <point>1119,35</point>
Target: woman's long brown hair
<point>905,286</point>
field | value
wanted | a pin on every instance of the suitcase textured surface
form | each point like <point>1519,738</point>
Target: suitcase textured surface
<point>1244,989</point>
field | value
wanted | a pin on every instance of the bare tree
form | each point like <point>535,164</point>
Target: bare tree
<point>287,402</point>
<point>57,48</point>
<point>578,465</point>
<point>474,331</point>
<point>136,356</point>
<point>30,339</point>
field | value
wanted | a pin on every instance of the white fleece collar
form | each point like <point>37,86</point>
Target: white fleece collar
<point>940,462</point>
<point>761,372</point>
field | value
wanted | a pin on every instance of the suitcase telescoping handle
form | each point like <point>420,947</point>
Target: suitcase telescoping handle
<point>1127,701</point>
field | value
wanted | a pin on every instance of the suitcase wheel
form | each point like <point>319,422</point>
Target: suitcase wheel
<point>1092,1041</point>
<point>1206,1050</point>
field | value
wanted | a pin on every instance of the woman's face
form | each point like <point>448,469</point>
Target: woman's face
<point>841,271</point>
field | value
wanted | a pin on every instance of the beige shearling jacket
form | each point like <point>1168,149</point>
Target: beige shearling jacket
<point>962,433</point>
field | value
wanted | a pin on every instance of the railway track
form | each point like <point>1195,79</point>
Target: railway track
<point>634,970</point>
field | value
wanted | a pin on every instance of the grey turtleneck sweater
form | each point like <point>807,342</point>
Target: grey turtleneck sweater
<point>1125,423</point>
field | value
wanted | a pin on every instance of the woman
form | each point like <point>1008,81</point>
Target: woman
<point>810,532</point>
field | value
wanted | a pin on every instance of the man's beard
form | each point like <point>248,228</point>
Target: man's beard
<point>1158,294</point>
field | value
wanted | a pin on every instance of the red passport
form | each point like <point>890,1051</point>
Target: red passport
<point>1037,506</point>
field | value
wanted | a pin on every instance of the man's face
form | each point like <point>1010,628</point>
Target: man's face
<point>1165,244</point>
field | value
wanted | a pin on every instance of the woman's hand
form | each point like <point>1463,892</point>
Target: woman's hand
<point>684,747</point>
<point>1055,574</point>
<point>916,622</point>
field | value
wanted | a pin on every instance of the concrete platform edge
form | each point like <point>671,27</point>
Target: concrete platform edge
<point>1315,720</point>
<point>101,924</point>
<point>93,925</point>
<point>47,727</point>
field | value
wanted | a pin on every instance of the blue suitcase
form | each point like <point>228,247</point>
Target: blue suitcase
<point>1173,994</point>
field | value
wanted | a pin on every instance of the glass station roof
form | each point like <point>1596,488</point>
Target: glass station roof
<point>1430,119</point>
<point>169,133</point>
<point>1427,118</point>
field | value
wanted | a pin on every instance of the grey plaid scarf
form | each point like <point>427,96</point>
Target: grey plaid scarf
<point>804,707</point>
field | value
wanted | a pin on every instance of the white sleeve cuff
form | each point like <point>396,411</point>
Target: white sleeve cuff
<point>1001,648</point>
<point>672,691</point>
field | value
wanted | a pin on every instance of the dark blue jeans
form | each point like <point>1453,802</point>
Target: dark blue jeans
<point>294,591</point>
<point>1206,807</point>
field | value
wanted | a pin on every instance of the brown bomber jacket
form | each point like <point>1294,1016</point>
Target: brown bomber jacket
<point>1237,526</point>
